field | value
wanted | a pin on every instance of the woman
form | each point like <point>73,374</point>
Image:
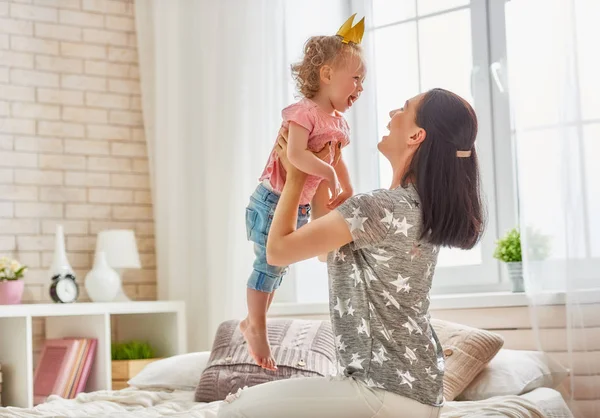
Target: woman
<point>383,250</point>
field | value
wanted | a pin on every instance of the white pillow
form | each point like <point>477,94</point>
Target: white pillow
<point>514,372</point>
<point>180,372</point>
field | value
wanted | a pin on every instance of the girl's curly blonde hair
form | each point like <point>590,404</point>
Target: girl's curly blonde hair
<point>319,51</point>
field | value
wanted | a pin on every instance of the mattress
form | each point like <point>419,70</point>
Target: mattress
<point>141,403</point>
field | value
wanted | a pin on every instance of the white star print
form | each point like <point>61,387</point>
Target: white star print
<point>389,217</point>
<point>364,328</point>
<point>387,333</point>
<point>417,308</point>
<point>406,201</point>
<point>401,283</point>
<point>356,277</point>
<point>356,222</point>
<point>430,374</point>
<point>410,355</point>
<point>434,250</point>
<point>428,272</point>
<point>403,227</point>
<point>370,383</point>
<point>340,345</point>
<point>350,310</point>
<point>340,307</point>
<point>369,277</point>
<point>356,362</point>
<point>381,259</point>
<point>379,357</point>
<point>406,377</point>
<point>411,326</point>
<point>390,299</point>
<point>339,255</point>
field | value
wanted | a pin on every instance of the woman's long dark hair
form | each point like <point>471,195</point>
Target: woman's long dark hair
<point>448,186</point>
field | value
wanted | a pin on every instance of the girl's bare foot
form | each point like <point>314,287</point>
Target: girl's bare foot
<point>258,344</point>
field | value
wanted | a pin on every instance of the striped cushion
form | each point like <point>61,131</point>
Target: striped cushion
<point>467,350</point>
<point>300,348</point>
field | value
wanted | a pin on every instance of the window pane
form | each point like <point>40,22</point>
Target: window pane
<point>390,11</point>
<point>312,282</point>
<point>536,64</point>
<point>588,34</point>
<point>397,77</point>
<point>446,53</point>
<point>542,172</point>
<point>433,6</point>
<point>591,147</point>
<point>445,61</point>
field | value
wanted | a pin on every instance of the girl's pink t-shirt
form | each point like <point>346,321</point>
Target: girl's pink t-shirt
<point>322,128</point>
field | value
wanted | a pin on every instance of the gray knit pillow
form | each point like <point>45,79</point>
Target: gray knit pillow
<point>300,348</point>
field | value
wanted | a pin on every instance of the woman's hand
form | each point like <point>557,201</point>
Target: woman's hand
<point>291,170</point>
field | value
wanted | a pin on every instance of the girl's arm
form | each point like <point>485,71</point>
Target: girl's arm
<point>285,244</point>
<point>301,157</point>
<point>344,177</point>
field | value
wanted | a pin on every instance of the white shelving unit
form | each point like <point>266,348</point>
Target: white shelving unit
<point>160,323</point>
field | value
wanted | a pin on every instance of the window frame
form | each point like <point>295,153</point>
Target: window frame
<point>495,148</point>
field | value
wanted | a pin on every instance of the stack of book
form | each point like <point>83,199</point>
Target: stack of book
<point>63,368</point>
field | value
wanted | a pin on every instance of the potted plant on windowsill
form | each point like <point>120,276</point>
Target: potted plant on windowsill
<point>128,359</point>
<point>509,250</point>
<point>11,281</point>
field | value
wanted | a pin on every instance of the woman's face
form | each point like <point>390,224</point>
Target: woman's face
<point>404,133</point>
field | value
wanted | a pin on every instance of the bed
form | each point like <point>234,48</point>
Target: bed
<point>146,403</point>
<point>136,402</point>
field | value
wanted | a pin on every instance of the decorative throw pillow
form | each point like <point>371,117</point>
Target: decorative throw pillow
<point>179,372</point>
<point>467,350</point>
<point>299,347</point>
<point>514,372</point>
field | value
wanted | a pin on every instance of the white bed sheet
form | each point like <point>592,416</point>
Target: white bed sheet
<point>141,403</point>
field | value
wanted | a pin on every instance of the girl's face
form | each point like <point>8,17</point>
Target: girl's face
<point>345,83</point>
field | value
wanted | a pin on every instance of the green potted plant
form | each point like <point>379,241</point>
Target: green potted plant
<point>128,359</point>
<point>11,281</point>
<point>508,250</point>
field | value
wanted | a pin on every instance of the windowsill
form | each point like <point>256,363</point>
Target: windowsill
<point>438,302</point>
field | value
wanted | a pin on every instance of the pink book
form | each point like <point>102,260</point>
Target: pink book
<point>70,390</point>
<point>87,366</point>
<point>54,368</point>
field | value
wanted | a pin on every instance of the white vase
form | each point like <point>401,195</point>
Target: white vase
<point>102,283</point>
<point>60,264</point>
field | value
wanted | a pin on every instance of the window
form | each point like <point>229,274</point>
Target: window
<point>468,47</point>
<point>555,121</point>
<point>421,44</point>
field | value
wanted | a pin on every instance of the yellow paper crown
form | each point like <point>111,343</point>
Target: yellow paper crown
<point>351,33</point>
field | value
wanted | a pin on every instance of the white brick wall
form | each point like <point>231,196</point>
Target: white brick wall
<point>72,148</point>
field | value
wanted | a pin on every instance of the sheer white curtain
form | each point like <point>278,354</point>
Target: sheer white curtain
<point>213,86</point>
<point>554,89</point>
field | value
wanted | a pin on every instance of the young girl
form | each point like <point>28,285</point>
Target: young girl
<point>329,78</point>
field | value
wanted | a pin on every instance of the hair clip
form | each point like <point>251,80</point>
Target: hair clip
<point>463,154</point>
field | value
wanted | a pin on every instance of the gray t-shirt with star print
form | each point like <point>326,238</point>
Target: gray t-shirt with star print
<point>379,297</point>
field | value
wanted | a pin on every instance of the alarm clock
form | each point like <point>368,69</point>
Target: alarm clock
<point>64,289</point>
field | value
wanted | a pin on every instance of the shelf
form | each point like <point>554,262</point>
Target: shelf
<point>161,323</point>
